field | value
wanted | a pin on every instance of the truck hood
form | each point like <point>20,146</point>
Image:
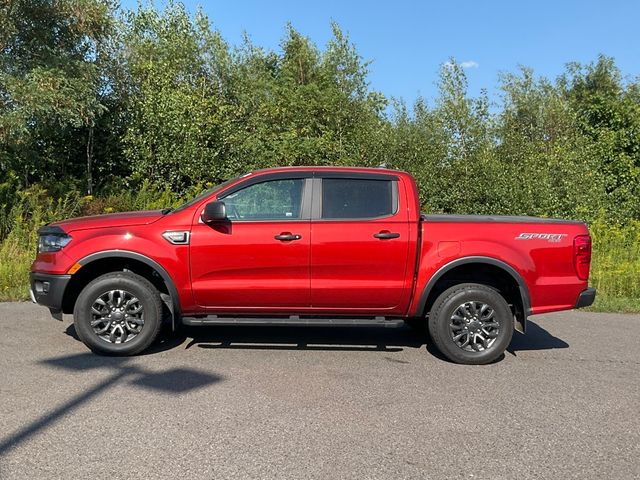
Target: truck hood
<point>124,219</point>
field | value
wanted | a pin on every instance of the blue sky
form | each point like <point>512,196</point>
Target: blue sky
<point>407,41</point>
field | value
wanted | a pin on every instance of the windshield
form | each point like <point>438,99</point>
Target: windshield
<point>204,194</point>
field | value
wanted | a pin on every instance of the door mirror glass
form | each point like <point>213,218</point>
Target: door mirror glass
<point>214,212</point>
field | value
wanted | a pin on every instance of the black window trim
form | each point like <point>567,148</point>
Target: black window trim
<point>316,203</point>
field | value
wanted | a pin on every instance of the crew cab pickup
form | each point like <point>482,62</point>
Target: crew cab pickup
<point>313,246</point>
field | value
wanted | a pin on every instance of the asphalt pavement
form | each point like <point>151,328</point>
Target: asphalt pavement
<point>320,403</point>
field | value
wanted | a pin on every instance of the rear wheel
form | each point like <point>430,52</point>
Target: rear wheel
<point>471,324</point>
<point>118,313</point>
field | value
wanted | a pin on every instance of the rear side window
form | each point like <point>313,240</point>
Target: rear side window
<point>356,198</point>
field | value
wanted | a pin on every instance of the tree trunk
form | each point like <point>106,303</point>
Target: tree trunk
<point>90,161</point>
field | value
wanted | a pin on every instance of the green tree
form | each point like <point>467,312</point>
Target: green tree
<point>608,113</point>
<point>305,106</point>
<point>549,167</point>
<point>49,84</point>
<point>200,110</point>
<point>449,147</point>
<point>173,87</point>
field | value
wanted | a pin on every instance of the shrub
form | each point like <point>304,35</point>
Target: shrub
<point>615,269</point>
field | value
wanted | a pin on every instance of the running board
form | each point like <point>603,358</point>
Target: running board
<point>292,320</point>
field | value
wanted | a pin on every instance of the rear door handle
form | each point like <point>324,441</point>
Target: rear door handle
<point>386,234</point>
<point>288,237</point>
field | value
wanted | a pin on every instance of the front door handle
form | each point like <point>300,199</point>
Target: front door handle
<point>385,234</point>
<point>288,237</point>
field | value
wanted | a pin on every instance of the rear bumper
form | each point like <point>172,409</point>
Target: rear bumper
<point>48,290</point>
<point>586,297</point>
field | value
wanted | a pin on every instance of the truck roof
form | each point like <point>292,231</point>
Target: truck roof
<point>330,168</point>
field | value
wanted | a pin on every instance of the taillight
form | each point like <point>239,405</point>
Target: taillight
<point>582,256</point>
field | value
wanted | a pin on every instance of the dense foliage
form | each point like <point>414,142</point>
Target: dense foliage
<point>139,108</point>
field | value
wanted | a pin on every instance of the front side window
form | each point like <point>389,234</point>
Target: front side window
<point>271,200</point>
<point>357,198</point>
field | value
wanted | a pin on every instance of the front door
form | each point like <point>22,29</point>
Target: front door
<point>259,259</point>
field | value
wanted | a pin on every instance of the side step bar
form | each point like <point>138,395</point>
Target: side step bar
<point>292,321</point>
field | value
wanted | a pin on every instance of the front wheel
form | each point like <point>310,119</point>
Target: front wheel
<point>118,313</point>
<point>471,324</point>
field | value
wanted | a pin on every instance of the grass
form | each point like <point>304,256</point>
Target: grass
<point>615,304</point>
<point>15,261</point>
<point>615,268</point>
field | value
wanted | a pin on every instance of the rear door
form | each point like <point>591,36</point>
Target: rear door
<point>259,259</point>
<point>359,244</point>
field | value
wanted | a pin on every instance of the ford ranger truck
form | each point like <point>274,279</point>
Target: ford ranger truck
<point>313,246</point>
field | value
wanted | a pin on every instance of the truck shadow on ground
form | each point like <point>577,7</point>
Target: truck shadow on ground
<point>536,338</point>
<point>341,338</point>
<point>344,338</point>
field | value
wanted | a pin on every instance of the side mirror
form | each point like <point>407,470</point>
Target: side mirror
<point>214,212</point>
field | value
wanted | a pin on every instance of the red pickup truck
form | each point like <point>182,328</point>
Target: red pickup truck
<point>313,246</point>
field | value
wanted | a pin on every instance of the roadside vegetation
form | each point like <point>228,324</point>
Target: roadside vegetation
<point>105,110</point>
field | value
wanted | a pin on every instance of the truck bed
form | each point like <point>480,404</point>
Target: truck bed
<point>442,218</point>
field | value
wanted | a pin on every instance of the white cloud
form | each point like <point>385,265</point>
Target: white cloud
<point>467,64</point>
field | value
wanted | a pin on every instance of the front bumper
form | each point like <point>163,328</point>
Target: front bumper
<point>586,298</point>
<point>48,290</point>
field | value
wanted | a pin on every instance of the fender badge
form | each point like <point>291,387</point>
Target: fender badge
<point>549,237</point>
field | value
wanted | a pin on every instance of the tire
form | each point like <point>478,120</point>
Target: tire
<point>458,315</point>
<point>130,327</point>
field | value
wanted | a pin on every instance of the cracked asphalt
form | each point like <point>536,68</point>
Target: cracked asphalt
<point>325,403</point>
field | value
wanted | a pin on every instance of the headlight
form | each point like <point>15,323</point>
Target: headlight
<point>52,242</point>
